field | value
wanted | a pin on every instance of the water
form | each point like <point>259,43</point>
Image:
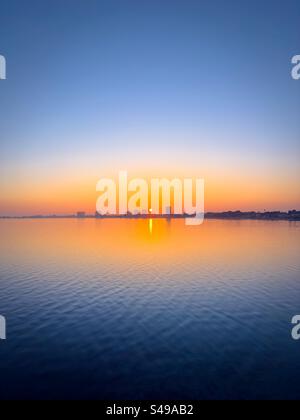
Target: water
<point>131,310</point>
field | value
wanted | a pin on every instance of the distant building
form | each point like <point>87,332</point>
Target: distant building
<point>81,215</point>
<point>168,210</point>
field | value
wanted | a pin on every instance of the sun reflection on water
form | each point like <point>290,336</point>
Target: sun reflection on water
<point>150,226</point>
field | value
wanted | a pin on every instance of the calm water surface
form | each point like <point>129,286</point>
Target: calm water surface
<point>130,309</point>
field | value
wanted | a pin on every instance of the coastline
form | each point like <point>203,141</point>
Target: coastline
<point>290,216</point>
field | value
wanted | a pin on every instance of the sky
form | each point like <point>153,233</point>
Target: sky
<point>175,88</point>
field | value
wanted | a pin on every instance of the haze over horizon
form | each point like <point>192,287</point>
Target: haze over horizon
<point>161,88</point>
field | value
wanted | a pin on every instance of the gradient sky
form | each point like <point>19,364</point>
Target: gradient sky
<point>158,87</point>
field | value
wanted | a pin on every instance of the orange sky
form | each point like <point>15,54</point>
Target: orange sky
<point>69,194</point>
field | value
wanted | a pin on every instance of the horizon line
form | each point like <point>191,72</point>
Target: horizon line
<point>275,214</point>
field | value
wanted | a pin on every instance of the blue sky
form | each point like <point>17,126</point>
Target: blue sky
<point>190,83</point>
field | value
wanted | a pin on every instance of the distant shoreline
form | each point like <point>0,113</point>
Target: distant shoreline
<point>292,215</point>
